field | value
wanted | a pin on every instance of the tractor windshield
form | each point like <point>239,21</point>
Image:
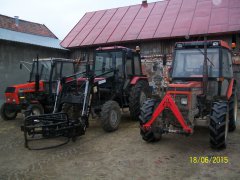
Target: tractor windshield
<point>59,69</point>
<point>107,62</point>
<point>44,70</point>
<point>189,63</point>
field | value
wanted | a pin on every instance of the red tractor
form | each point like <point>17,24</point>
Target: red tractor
<point>202,92</point>
<point>39,92</point>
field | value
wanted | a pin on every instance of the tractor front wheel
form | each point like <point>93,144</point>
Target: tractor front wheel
<point>110,116</point>
<point>218,125</point>
<point>8,114</point>
<point>147,110</point>
<point>233,110</point>
<point>35,109</point>
<point>139,93</point>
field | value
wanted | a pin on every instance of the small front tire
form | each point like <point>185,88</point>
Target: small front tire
<point>147,110</point>
<point>7,114</point>
<point>218,125</point>
<point>110,116</point>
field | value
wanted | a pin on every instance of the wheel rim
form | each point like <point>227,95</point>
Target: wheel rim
<point>36,111</point>
<point>143,98</point>
<point>9,113</point>
<point>235,108</point>
<point>113,118</point>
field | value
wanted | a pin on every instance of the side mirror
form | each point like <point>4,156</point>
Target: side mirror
<point>20,66</point>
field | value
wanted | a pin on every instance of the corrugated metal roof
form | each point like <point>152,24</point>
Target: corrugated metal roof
<point>28,27</point>
<point>163,19</point>
<point>9,35</point>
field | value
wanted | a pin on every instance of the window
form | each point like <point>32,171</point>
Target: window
<point>119,64</point>
<point>137,66</point>
<point>129,67</point>
<point>56,71</point>
<point>226,64</point>
<point>44,68</point>
<point>104,63</point>
<point>189,63</point>
<point>67,69</point>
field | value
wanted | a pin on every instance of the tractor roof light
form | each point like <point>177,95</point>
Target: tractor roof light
<point>233,45</point>
<point>215,43</point>
<point>179,45</point>
<point>138,49</point>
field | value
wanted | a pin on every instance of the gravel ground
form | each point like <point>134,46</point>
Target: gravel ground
<point>118,155</point>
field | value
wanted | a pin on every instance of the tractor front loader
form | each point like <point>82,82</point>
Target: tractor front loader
<point>202,92</point>
<point>70,115</point>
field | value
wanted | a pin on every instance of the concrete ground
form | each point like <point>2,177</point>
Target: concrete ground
<point>118,155</point>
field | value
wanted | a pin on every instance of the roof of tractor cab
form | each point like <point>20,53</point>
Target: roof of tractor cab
<point>114,48</point>
<point>210,43</point>
<point>56,59</point>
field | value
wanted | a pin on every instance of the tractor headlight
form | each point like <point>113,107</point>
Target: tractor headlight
<point>184,101</point>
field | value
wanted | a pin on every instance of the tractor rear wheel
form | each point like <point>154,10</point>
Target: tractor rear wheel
<point>147,110</point>
<point>7,114</point>
<point>218,125</point>
<point>139,93</point>
<point>110,116</point>
<point>233,110</point>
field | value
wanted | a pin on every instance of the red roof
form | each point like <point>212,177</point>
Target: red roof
<point>163,19</point>
<point>25,27</point>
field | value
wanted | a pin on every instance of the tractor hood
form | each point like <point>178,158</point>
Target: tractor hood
<point>27,87</point>
<point>185,85</point>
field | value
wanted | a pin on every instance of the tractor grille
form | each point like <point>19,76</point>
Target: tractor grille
<point>10,90</point>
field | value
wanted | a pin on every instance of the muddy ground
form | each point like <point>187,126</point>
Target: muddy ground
<point>119,155</point>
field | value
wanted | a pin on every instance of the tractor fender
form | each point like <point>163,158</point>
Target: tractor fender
<point>136,79</point>
<point>230,88</point>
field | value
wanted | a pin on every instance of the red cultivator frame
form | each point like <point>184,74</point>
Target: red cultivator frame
<point>168,102</point>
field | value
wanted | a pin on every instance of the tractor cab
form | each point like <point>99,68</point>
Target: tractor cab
<point>188,65</point>
<point>124,61</point>
<point>115,68</point>
<point>52,70</point>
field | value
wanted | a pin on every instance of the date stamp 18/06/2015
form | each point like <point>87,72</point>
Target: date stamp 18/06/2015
<point>209,159</point>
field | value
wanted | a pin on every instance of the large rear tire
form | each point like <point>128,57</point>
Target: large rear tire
<point>233,110</point>
<point>110,116</point>
<point>147,110</point>
<point>7,114</point>
<point>139,93</point>
<point>218,125</point>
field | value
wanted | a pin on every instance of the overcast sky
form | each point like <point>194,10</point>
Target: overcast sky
<point>60,16</point>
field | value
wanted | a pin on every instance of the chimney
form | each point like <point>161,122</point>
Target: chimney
<point>16,20</point>
<point>144,3</point>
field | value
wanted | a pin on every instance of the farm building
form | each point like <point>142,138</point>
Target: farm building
<point>22,41</point>
<point>155,27</point>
